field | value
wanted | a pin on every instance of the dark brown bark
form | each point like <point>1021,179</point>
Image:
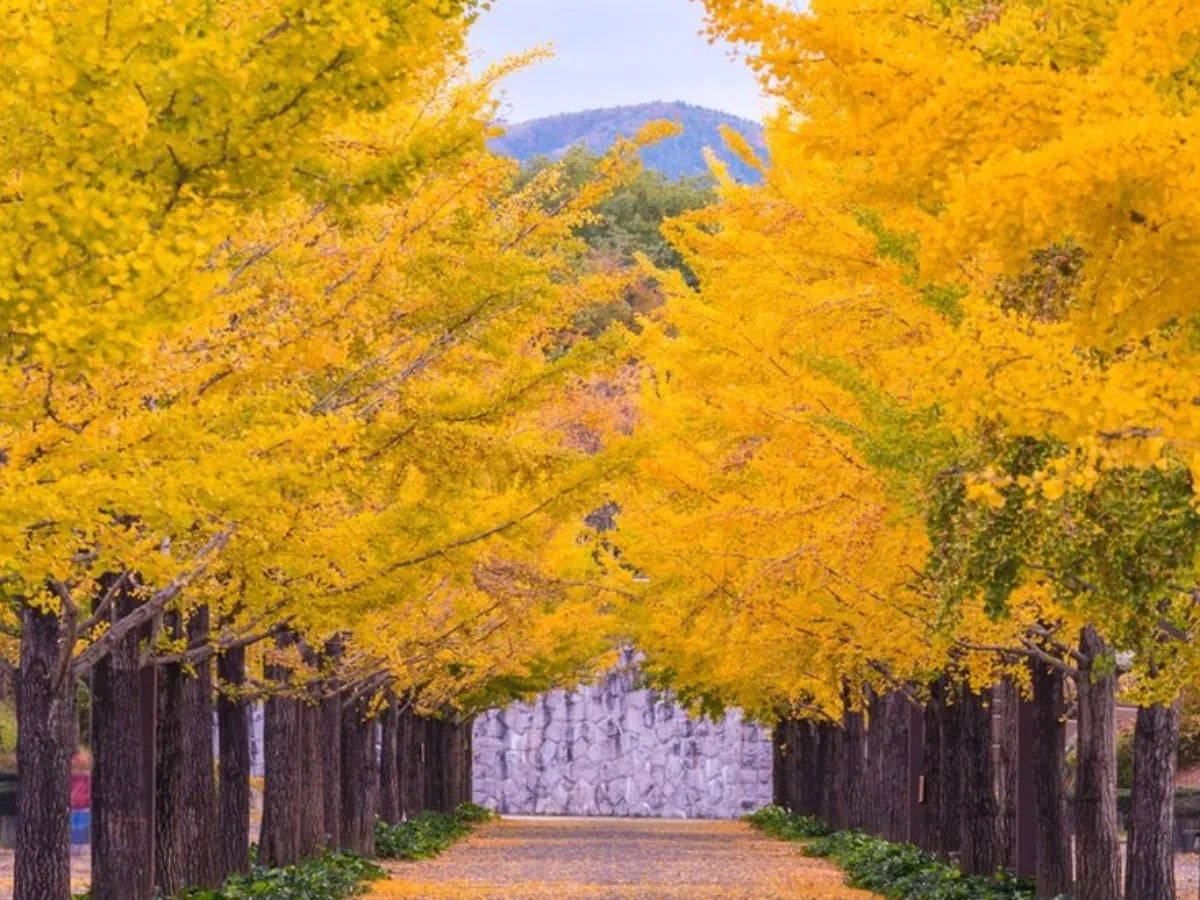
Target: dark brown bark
<point>1150,866</point>
<point>233,733</point>
<point>436,747</point>
<point>851,792</point>
<point>312,782</point>
<point>331,755</point>
<point>169,840</point>
<point>121,830</point>
<point>825,761</point>
<point>1052,841</point>
<point>1004,724</point>
<point>950,768</point>
<point>981,850</point>
<point>797,762</point>
<point>411,747</point>
<point>280,841</point>
<point>460,745</point>
<point>44,709</point>
<point>360,779</point>
<point>933,804</point>
<point>468,768</point>
<point>199,820</point>
<point>389,772</point>
<point>876,806</point>
<point>894,768</point>
<point>780,788</point>
<point>1097,843</point>
<point>802,761</point>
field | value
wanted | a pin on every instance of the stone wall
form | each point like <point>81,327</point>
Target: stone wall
<point>612,749</point>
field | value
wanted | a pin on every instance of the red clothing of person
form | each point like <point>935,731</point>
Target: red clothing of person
<point>81,790</point>
<point>81,780</point>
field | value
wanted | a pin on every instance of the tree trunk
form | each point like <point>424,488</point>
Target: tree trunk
<point>894,768</point>
<point>981,851</point>
<point>435,765</point>
<point>1004,725</point>
<point>780,788</point>
<point>460,745</point>
<point>467,792</point>
<point>233,723</point>
<point>833,786</point>
<point>1097,843</point>
<point>820,769</point>
<point>199,821</point>
<point>876,811</point>
<point>950,768</point>
<point>851,792</point>
<point>331,755</point>
<point>389,772</point>
<point>411,746</point>
<point>169,840</point>
<point>803,763</point>
<point>1150,867</point>
<point>360,779</point>
<point>312,782</point>
<point>1052,842</point>
<point>933,806</point>
<point>280,841</point>
<point>42,870</point>
<point>121,830</point>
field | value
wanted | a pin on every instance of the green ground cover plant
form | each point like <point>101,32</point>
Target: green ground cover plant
<point>897,871</point>
<point>428,834</point>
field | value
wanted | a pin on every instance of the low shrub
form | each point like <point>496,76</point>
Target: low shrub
<point>896,871</point>
<point>906,872</point>
<point>428,834</point>
<point>473,813</point>
<point>335,876</point>
<point>787,825</point>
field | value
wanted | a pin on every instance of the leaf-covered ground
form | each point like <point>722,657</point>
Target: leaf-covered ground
<point>645,858</point>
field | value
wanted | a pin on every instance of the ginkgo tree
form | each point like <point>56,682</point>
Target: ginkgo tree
<point>974,214</point>
<point>282,345</point>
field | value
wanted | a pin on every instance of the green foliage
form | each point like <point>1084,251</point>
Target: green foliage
<point>905,872</point>
<point>787,825</point>
<point>901,247</point>
<point>473,813</point>
<point>897,871</point>
<point>629,220</point>
<point>976,546</point>
<point>428,834</point>
<point>331,877</point>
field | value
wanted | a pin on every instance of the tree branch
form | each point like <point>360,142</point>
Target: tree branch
<point>151,607</point>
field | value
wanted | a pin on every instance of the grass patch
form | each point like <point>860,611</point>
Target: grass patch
<point>897,871</point>
<point>428,834</point>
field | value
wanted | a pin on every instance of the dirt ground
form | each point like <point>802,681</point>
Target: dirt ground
<point>604,858</point>
<point>617,858</point>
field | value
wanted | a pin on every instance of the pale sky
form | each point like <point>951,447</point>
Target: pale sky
<point>613,53</point>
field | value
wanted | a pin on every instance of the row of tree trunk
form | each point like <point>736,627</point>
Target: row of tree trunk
<point>981,778</point>
<point>333,768</point>
<point>168,812</point>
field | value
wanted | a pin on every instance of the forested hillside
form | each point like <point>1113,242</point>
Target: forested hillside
<point>677,157</point>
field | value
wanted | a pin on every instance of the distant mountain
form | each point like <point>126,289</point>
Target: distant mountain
<point>598,128</point>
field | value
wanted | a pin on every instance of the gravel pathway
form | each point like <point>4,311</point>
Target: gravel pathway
<point>566,858</point>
